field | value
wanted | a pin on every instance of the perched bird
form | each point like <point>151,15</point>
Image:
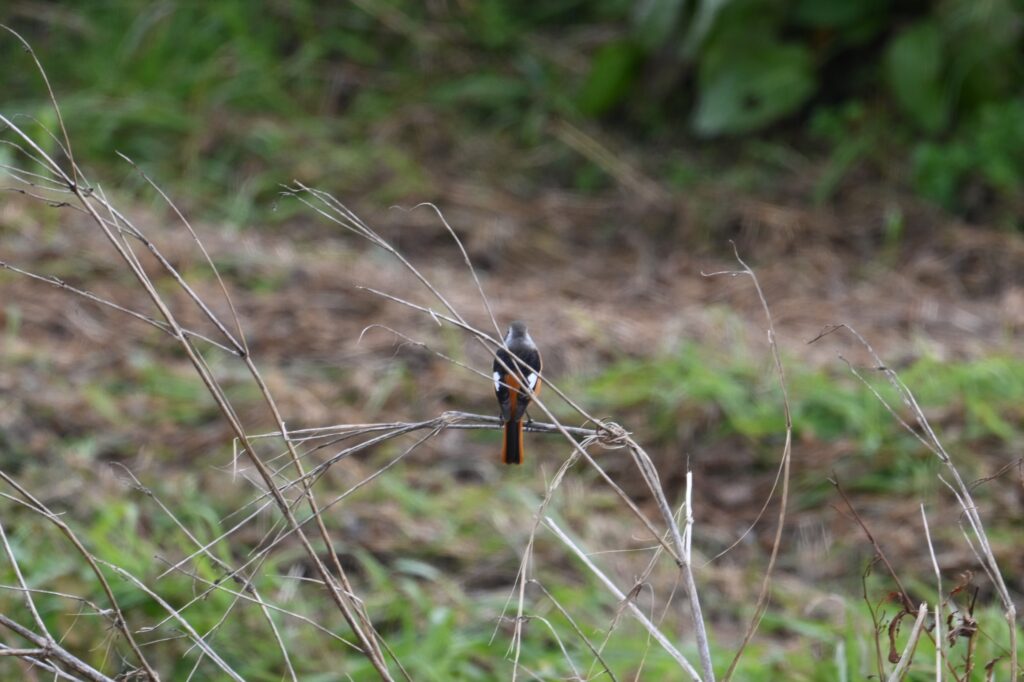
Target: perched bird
<point>523,358</point>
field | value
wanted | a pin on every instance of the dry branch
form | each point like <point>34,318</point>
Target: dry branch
<point>53,652</point>
<point>448,420</point>
<point>118,230</point>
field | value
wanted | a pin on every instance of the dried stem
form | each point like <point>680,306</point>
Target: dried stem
<point>930,440</point>
<point>54,652</point>
<point>908,651</point>
<point>940,642</point>
<point>33,504</point>
<point>115,226</point>
<point>651,628</point>
<point>611,434</point>
<point>784,465</point>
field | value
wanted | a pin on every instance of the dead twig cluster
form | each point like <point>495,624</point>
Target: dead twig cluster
<point>285,467</point>
<point>971,525</point>
<point>284,478</point>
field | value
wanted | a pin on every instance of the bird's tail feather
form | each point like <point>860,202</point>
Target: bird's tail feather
<point>512,449</point>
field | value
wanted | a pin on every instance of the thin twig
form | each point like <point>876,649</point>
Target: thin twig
<point>576,628</point>
<point>61,284</point>
<point>939,639</point>
<point>264,606</point>
<point>26,593</point>
<point>334,210</point>
<point>55,652</point>
<point>930,440</point>
<point>784,465</point>
<point>610,586</point>
<point>33,504</point>
<point>357,620</point>
<point>184,624</point>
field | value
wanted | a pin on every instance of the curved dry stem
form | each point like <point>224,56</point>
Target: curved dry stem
<point>53,98</point>
<point>903,665</point>
<point>25,592</point>
<point>784,465</point>
<point>467,261</point>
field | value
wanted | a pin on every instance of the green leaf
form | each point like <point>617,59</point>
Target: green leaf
<point>611,74</point>
<point>655,20</point>
<point>914,68</point>
<point>484,89</point>
<point>847,23</point>
<point>939,169</point>
<point>494,23</point>
<point>743,88</point>
<point>837,13</point>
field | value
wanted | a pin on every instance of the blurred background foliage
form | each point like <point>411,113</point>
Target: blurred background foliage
<point>235,99</point>
<point>405,101</point>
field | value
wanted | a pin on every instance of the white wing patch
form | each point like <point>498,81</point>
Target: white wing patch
<point>531,380</point>
<point>497,381</point>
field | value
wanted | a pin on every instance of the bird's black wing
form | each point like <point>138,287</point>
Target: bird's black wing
<point>501,383</point>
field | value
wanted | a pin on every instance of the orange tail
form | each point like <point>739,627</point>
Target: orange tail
<point>512,449</point>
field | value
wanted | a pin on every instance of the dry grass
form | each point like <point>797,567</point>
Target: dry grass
<point>285,465</point>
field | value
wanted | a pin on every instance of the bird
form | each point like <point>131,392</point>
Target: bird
<point>520,355</point>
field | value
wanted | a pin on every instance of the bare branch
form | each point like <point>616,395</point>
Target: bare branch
<point>55,652</point>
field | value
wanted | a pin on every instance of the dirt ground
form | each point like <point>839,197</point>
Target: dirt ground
<point>597,278</point>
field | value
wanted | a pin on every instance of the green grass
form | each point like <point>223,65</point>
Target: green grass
<point>223,104</point>
<point>435,561</point>
<point>976,403</point>
<point>439,626</point>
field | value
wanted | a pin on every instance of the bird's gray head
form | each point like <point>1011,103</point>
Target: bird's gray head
<point>517,328</point>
